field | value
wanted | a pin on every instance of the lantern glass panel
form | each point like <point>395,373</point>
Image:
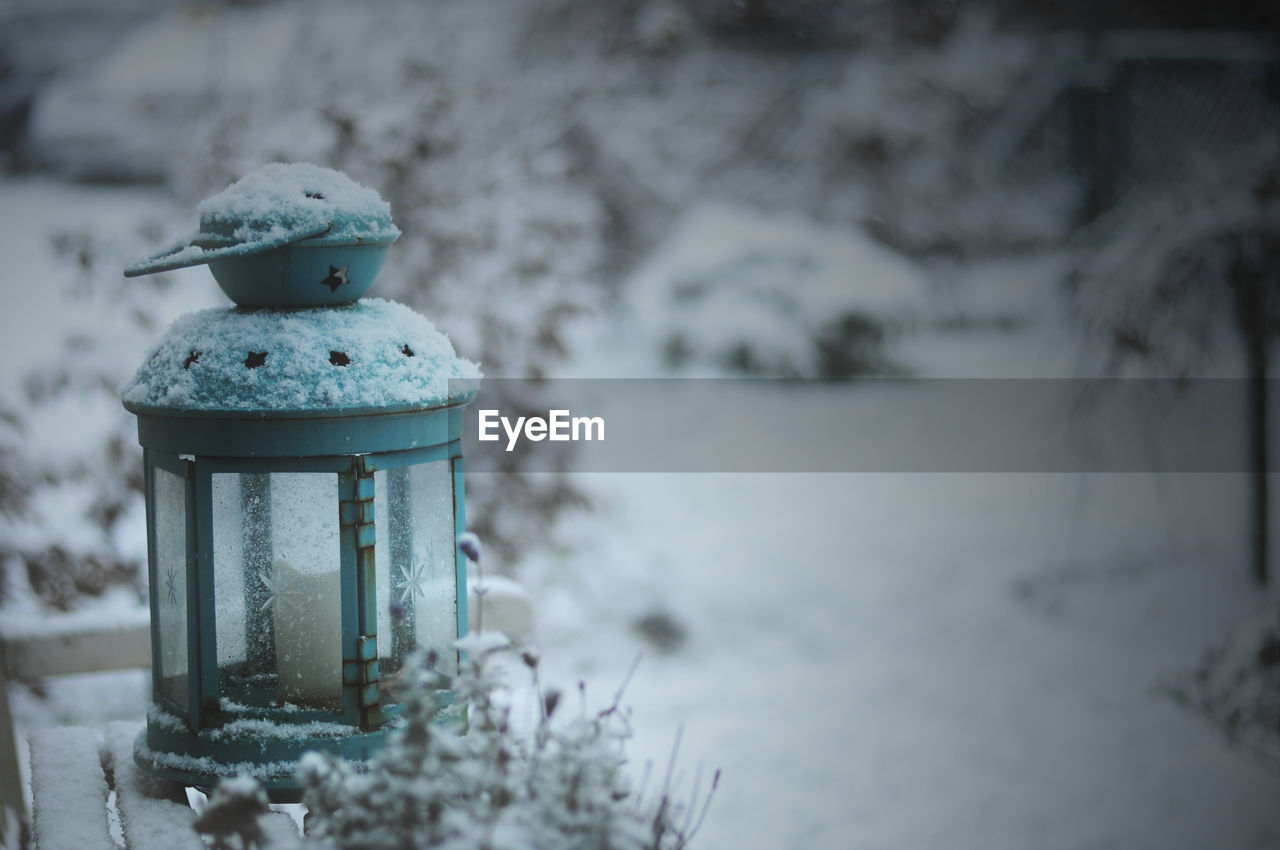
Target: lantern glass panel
<point>277,586</point>
<point>416,563</point>
<point>170,584</point>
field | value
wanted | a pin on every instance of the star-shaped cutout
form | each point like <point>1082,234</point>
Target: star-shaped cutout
<point>171,585</point>
<point>415,577</point>
<point>337,277</point>
<point>276,586</point>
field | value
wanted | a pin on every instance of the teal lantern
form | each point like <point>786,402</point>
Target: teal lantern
<point>303,487</point>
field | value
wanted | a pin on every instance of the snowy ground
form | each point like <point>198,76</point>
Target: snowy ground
<point>923,660</point>
<point>919,661</point>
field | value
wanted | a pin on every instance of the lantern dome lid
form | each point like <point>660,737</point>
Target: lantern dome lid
<point>277,205</point>
<point>372,355</point>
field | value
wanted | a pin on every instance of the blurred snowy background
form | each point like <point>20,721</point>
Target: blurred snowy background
<point>809,189</point>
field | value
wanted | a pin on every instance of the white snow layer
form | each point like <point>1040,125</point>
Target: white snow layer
<point>733,277</point>
<point>832,266</point>
<point>149,821</point>
<point>278,204</point>
<point>373,353</point>
<point>69,791</point>
<point>282,197</point>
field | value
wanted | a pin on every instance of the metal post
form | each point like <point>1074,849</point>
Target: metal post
<point>12,802</point>
<point>259,626</point>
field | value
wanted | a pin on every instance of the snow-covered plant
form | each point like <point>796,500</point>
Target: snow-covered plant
<point>902,123</point>
<point>70,465</point>
<point>461,775</point>
<point>234,808</point>
<point>1236,686</point>
<point>457,772</point>
<point>1161,285</point>
<point>1156,283</point>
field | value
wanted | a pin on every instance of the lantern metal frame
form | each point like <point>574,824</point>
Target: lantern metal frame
<point>354,443</point>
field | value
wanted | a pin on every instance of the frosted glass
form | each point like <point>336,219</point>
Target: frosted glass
<point>170,584</point>
<point>305,593</point>
<point>414,554</point>
<point>277,581</point>
<point>246,662</point>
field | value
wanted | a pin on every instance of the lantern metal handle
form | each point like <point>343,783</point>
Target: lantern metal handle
<point>173,257</point>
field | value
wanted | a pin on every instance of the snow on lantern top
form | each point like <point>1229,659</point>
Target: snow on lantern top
<point>287,235</point>
<point>294,197</point>
<point>371,354</point>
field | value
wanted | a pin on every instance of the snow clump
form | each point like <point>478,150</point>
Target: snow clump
<point>290,197</point>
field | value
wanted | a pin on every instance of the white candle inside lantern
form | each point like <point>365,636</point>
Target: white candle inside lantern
<point>308,627</point>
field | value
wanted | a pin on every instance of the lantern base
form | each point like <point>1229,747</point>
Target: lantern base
<point>202,759</point>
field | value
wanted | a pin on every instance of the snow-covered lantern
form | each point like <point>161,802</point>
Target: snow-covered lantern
<point>303,487</point>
